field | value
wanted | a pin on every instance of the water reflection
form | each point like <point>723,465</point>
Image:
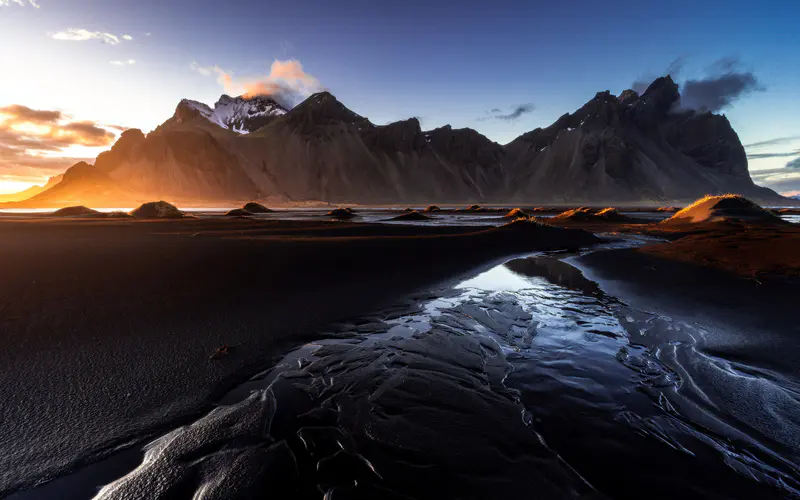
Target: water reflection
<point>525,380</point>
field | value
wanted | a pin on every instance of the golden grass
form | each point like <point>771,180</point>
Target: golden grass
<point>712,199</point>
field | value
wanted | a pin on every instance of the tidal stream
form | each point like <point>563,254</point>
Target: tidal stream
<point>527,380</point>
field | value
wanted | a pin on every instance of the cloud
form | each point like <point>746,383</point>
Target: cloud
<point>127,62</point>
<point>34,140</point>
<point>718,91</point>
<point>518,111</point>
<point>82,35</point>
<point>26,114</point>
<point>203,70</point>
<point>783,179</point>
<point>287,82</point>
<point>287,47</point>
<point>724,85</point>
<point>784,154</point>
<point>773,142</point>
<point>21,3</point>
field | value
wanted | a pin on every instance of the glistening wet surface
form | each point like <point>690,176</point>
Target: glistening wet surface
<point>525,380</point>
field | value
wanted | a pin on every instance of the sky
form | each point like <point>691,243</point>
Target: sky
<point>501,67</point>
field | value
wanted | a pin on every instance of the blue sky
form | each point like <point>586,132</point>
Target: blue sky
<point>442,61</point>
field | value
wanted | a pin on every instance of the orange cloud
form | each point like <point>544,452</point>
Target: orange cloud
<point>287,81</point>
<point>38,142</point>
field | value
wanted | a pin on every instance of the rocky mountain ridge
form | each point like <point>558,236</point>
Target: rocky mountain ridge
<point>625,149</point>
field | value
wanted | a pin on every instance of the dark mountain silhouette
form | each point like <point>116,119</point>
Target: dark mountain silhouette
<point>626,149</point>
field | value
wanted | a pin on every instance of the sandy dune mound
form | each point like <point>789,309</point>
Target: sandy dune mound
<point>410,216</point>
<point>157,210</point>
<point>668,209</point>
<point>724,208</point>
<point>238,212</point>
<point>515,214</point>
<point>432,208</point>
<point>586,214</point>
<point>76,211</point>
<point>342,213</point>
<point>118,215</point>
<point>256,208</point>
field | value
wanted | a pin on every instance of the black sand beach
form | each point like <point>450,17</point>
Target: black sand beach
<point>110,327</point>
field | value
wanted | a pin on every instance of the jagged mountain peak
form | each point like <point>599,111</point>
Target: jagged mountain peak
<point>322,110</point>
<point>242,114</point>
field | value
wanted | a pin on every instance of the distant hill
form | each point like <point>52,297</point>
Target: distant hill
<point>614,149</point>
<point>31,191</point>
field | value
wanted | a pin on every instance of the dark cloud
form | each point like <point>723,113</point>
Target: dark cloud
<point>715,94</point>
<point>794,164</point>
<point>497,114</point>
<point>725,84</point>
<point>773,142</point>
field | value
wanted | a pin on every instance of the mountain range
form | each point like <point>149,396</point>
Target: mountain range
<point>627,149</point>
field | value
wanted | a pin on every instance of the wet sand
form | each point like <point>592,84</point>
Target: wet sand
<point>759,310</point>
<point>753,250</point>
<point>110,326</point>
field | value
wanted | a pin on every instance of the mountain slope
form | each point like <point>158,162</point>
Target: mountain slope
<point>31,191</point>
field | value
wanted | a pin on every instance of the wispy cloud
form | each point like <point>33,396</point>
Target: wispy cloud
<point>203,70</point>
<point>782,154</point>
<point>517,112</point>
<point>773,142</point>
<point>21,3</point>
<point>287,82</point>
<point>674,70</point>
<point>127,62</point>
<point>783,179</point>
<point>82,35</point>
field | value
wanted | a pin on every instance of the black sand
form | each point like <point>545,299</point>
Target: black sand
<point>109,327</point>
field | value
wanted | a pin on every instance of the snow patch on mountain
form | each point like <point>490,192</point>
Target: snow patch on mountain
<point>240,114</point>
